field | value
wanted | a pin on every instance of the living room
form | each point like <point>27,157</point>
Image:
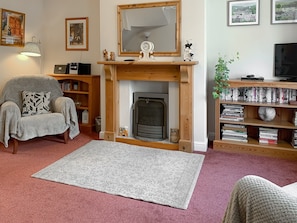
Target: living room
<point>254,44</point>
<point>203,22</point>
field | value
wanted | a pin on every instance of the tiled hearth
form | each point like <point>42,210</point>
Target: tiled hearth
<point>178,71</point>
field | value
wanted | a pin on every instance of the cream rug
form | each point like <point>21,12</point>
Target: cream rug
<point>154,175</point>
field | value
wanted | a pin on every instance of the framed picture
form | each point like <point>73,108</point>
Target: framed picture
<point>76,33</point>
<point>12,28</point>
<point>242,13</point>
<point>283,11</point>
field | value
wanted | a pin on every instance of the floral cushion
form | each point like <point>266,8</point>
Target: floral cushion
<point>35,103</point>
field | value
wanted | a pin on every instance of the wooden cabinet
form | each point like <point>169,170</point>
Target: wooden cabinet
<point>283,121</point>
<point>85,91</point>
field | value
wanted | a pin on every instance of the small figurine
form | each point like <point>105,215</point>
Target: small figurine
<point>112,56</point>
<point>105,54</point>
<point>188,55</point>
<point>174,135</point>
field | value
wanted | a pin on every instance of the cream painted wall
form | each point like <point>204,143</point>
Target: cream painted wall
<point>203,21</point>
<point>55,12</point>
<point>192,13</point>
<point>46,21</point>
<point>254,44</point>
<point>11,62</point>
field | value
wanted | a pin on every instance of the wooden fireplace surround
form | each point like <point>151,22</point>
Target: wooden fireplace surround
<point>177,71</point>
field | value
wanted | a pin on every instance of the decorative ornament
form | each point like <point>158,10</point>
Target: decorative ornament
<point>174,135</point>
<point>267,113</point>
<point>110,57</point>
<point>188,52</point>
<point>147,51</point>
<point>105,54</point>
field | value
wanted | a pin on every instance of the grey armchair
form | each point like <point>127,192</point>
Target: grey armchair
<point>255,199</point>
<point>34,106</point>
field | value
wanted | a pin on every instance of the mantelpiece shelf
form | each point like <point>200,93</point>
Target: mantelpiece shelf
<point>252,122</point>
<point>153,62</point>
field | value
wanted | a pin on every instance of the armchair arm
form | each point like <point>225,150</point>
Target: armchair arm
<point>255,199</point>
<point>66,106</point>
<point>10,115</point>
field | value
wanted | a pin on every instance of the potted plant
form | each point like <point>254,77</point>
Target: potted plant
<point>222,75</point>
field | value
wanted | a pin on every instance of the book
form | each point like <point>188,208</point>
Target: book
<point>268,141</point>
<point>232,112</point>
<point>236,119</point>
<point>270,130</point>
<point>268,135</point>
<point>238,129</point>
<point>235,139</point>
<point>234,125</point>
<point>239,134</point>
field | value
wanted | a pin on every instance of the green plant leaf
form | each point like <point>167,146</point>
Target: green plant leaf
<point>222,75</point>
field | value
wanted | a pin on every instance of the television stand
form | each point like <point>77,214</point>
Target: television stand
<point>289,79</point>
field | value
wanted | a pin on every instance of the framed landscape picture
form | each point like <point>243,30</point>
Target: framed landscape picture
<point>12,28</point>
<point>283,11</point>
<point>76,33</point>
<point>242,13</point>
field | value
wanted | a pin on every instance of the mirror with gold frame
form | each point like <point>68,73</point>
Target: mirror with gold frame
<point>157,22</point>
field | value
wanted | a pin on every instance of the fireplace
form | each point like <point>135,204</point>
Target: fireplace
<point>167,71</point>
<point>150,116</point>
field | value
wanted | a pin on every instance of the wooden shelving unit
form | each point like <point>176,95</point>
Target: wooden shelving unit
<point>252,121</point>
<point>85,91</point>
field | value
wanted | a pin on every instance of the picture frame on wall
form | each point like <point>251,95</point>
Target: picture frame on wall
<point>243,13</point>
<point>76,33</point>
<point>12,28</point>
<point>283,11</point>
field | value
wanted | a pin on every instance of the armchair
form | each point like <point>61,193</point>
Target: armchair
<point>255,199</point>
<point>34,106</point>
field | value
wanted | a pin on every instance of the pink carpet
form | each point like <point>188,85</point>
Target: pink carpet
<point>26,199</point>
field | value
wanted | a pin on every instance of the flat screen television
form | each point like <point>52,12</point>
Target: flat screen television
<point>285,61</point>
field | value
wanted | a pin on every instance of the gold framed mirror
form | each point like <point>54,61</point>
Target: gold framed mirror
<point>157,22</point>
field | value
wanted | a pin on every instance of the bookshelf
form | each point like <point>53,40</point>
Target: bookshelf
<point>85,92</point>
<point>248,131</point>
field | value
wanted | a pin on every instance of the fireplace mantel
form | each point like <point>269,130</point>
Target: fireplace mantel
<point>176,71</point>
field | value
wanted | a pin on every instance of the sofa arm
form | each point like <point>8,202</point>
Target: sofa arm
<point>66,106</point>
<point>10,115</point>
<point>61,103</point>
<point>255,199</point>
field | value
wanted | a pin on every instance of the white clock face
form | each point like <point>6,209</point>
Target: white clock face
<point>147,46</point>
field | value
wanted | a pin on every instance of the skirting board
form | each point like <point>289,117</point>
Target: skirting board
<point>101,135</point>
<point>201,146</point>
